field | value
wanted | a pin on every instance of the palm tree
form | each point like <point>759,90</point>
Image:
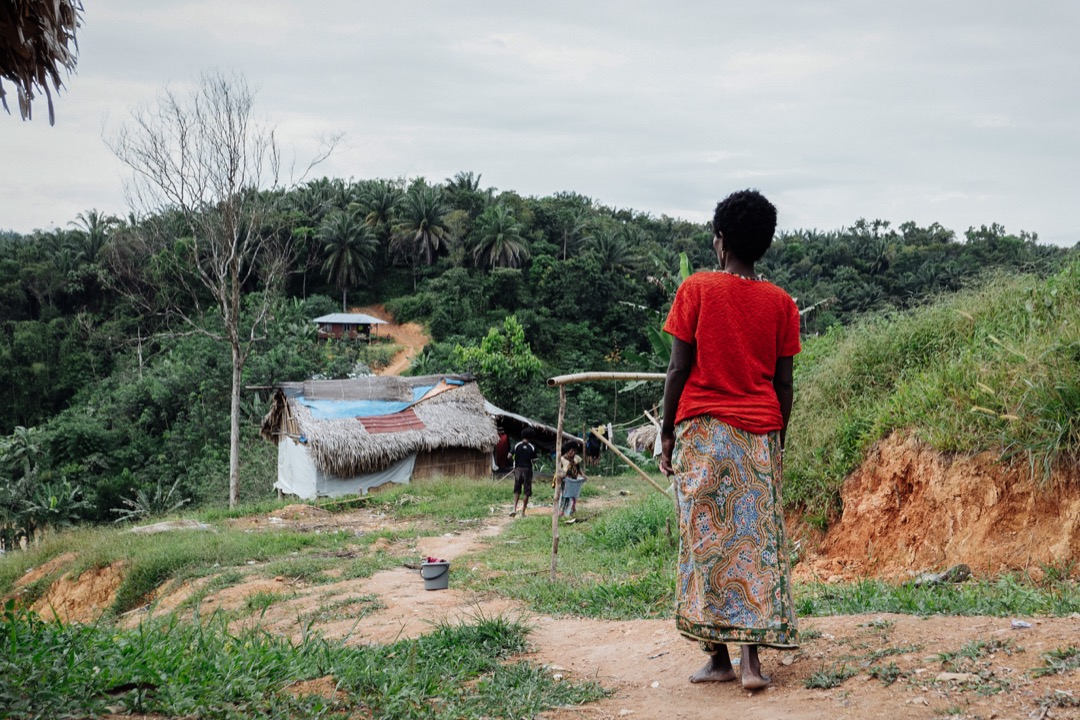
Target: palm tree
<point>573,225</point>
<point>497,240</point>
<point>348,246</point>
<point>464,182</point>
<point>422,229</point>
<point>313,201</point>
<point>613,251</point>
<point>93,228</point>
<point>380,201</point>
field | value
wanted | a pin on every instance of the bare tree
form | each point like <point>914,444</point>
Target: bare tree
<point>204,162</point>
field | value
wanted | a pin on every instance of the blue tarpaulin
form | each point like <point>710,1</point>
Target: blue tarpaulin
<point>340,409</point>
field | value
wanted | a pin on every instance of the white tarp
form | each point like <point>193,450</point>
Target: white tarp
<point>297,475</point>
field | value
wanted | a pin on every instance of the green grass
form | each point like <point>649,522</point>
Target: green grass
<point>1000,596</point>
<point>216,582</point>
<point>348,608</point>
<point>874,655</point>
<point>219,513</point>
<point>303,568</point>
<point>260,602</point>
<point>994,368</point>
<point>1060,660</point>
<point>982,677</point>
<point>621,565</point>
<point>887,674</point>
<point>827,678</point>
<point>449,501</point>
<point>192,670</point>
<point>975,650</point>
<point>1059,699</point>
<point>617,565</point>
<point>153,560</point>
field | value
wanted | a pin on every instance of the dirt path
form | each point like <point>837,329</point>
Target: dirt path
<point>410,336</point>
<point>645,663</point>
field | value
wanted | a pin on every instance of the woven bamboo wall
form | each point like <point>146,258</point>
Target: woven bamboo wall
<point>452,462</point>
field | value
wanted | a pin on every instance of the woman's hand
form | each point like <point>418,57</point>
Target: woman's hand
<point>682,359</point>
<point>667,447</point>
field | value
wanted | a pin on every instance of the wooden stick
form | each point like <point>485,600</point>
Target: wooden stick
<point>629,462</point>
<point>588,376</point>
<point>558,485</point>
<point>653,420</point>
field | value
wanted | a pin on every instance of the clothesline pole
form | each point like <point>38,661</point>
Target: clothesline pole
<point>629,462</point>
<point>594,376</point>
<point>558,485</point>
<point>614,419</point>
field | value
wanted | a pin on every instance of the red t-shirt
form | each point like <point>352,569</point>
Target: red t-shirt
<point>738,328</point>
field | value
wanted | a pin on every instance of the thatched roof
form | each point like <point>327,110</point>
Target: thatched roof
<point>642,438</point>
<point>543,435</point>
<point>37,41</point>
<point>453,417</point>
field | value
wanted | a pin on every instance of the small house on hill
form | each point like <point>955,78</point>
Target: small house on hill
<point>349,326</point>
<point>342,437</point>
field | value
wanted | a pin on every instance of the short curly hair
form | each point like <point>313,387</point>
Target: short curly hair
<point>747,221</point>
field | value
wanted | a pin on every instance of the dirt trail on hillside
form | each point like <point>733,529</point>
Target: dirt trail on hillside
<point>410,336</point>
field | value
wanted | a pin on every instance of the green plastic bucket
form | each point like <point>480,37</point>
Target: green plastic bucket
<point>436,575</point>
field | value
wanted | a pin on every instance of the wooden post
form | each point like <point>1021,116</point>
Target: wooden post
<point>611,426</point>
<point>558,485</point>
<point>629,462</point>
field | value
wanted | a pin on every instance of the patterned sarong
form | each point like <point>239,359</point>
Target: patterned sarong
<point>734,580</point>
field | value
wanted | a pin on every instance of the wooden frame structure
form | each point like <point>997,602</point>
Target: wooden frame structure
<point>561,381</point>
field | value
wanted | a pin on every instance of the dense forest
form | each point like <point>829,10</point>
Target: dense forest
<point>116,385</point>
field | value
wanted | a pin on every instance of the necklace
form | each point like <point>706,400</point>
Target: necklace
<point>754,278</point>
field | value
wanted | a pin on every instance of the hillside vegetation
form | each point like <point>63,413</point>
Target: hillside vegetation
<point>993,367</point>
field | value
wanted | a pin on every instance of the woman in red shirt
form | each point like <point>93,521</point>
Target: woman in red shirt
<point>727,400</point>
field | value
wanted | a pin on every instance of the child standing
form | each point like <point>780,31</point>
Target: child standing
<point>570,469</point>
<point>523,453</point>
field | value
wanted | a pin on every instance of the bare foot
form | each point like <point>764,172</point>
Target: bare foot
<point>718,669</point>
<point>755,682</point>
<point>752,679</point>
<point>708,674</point>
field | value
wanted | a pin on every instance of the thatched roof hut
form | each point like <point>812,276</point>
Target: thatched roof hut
<point>358,433</point>
<point>37,41</point>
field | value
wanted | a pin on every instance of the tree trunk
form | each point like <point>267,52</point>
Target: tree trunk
<point>234,428</point>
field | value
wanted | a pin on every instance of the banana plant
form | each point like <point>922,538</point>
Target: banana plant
<point>660,340</point>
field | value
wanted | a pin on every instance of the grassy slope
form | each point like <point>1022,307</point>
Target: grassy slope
<point>994,368</point>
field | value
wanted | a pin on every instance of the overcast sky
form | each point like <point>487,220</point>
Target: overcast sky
<point>962,113</point>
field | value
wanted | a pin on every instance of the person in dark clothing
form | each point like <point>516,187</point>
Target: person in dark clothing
<point>502,453</point>
<point>592,447</point>
<point>524,453</point>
